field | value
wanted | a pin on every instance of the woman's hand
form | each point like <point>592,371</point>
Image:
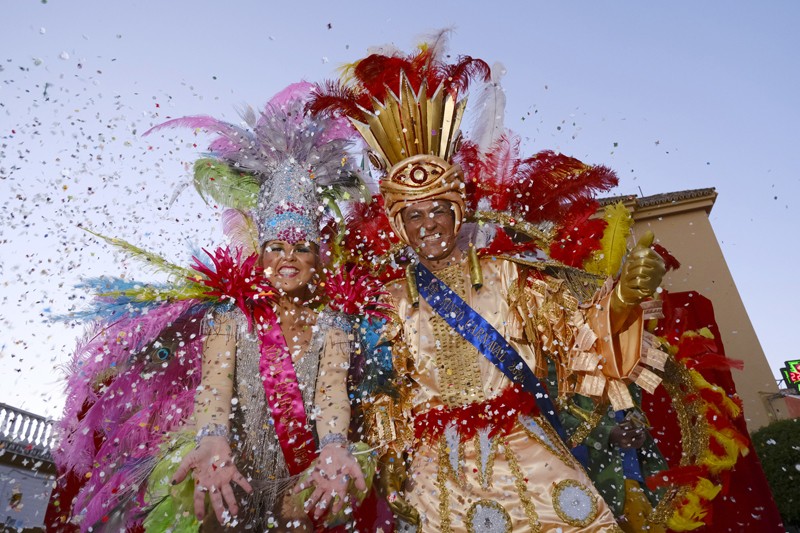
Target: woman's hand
<point>335,466</point>
<point>212,463</point>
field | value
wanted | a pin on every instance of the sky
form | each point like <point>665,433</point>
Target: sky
<point>671,95</point>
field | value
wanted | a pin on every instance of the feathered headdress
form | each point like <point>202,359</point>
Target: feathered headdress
<point>408,108</point>
<point>277,169</point>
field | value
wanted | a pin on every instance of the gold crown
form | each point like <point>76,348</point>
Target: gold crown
<point>411,124</point>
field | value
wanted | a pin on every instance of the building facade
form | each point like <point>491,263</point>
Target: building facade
<point>680,221</point>
<point>27,471</point>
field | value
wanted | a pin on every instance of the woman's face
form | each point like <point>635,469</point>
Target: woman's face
<point>289,267</point>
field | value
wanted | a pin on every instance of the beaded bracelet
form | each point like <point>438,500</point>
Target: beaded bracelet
<point>332,437</point>
<point>212,430</point>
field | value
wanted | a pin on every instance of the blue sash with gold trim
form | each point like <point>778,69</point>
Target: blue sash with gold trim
<point>489,342</point>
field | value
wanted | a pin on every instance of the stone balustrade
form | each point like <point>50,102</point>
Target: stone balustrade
<point>25,433</point>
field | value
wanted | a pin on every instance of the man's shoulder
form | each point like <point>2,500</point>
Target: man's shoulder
<point>396,288</point>
<point>496,263</point>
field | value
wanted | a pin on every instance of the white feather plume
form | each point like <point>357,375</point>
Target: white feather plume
<point>489,110</point>
<point>438,41</point>
<point>476,234</point>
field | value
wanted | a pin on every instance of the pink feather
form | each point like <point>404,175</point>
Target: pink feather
<point>239,227</point>
<point>193,122</point>
<point>119,409</point>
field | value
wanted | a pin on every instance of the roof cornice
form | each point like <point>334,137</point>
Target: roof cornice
<point>659,205</point>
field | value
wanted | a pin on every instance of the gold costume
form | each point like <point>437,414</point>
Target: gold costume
<point>525,479</point>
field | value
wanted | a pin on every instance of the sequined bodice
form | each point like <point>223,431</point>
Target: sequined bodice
<point>260,456</point>
<point>458,361</point>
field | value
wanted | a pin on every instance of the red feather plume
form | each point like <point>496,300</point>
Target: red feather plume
<point>369,230</point>
<point>499,174</point>
<point>680,475</point>
<point>355,292</point>
<point>578,236</point>
<point>376,74</point>
<point>331,97</point>
<point>457,77</point>
<point>556,181</point>
<point>543,187</point>
<point>469,158</point>
<point>502,244</point>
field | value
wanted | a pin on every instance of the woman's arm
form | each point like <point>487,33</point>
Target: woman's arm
<point>335,465</point>
<point>212,403</point>
<point>212,460</point>
<point>333,416</point>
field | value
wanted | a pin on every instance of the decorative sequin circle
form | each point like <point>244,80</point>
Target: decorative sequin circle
<point>418,175</point>
<point>488,516</point>
<point>574,503</point>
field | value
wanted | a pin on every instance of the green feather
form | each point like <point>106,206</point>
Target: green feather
<point>148,293</point>
<point>150,259</point>
<point>227,187</point>
<point>173,506</point>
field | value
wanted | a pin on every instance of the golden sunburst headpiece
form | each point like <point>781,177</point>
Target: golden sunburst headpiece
<point>408,109</point>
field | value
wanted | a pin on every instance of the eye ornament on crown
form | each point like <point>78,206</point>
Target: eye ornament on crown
<point>418,175</point>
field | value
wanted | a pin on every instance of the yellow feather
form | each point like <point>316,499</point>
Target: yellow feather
<point>699,381</point>
<point>706,489</point>
<point>689,515</point>
<point>242,231</point>
<point>718,464</point>
<point>346,72</point>
<point>608,260</point>
<point>705,332</point>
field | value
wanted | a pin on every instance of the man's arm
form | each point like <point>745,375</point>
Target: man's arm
<point>640,278</point>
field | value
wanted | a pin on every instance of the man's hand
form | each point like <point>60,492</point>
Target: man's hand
<point>641,276</point>
<point>212,463</point>
<point>335,466</point>
<point>627,438</point>
<point>391,478</point>
<point>642,273</point>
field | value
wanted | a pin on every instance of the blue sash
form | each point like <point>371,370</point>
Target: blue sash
<point>489,342</point>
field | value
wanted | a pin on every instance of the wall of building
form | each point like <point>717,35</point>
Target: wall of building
<point>24,495</point>
<point>681,225</point>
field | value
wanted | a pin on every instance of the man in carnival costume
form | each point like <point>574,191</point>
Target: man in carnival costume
<point>473,440</point>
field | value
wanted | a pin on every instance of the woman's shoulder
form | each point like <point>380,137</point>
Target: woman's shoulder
<point>224,320</point>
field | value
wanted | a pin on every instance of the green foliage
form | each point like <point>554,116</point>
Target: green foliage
<point>778,448</point>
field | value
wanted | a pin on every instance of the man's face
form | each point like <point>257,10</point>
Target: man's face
<point>430,227</point>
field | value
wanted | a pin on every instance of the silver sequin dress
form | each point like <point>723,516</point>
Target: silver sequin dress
<point>258,453</point>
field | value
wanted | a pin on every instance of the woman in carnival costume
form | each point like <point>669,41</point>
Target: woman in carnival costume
<point>251,352</point>
<point>505,271</point>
